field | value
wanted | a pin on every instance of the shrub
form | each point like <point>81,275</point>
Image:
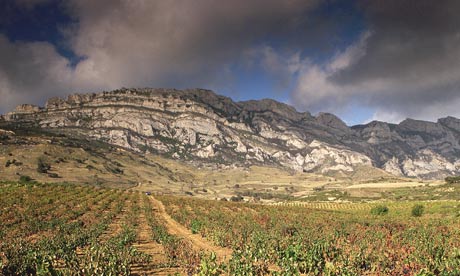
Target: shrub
<point>379,210</point>
<point>60,160</point>
<point>195,226</point>
<point>452,179</point>
<point>53,175</point>
<point>236,198</point>
<point>8,163</point>
<point>43,166</point>
<point>4,137</point>
<point>417,210</point>
<point>25,178</point>
<point>318,189</point>
<point>14,162</point>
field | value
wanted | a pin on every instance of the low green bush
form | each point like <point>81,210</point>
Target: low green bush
<point>379,210</point>
<point>417,210</point>
<point>25,178</point>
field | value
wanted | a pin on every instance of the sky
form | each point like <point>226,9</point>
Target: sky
<point>362,60</point>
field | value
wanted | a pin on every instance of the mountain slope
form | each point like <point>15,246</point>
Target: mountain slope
<point>205,128</point>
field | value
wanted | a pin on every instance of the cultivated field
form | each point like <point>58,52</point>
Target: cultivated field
<point>66,229</point>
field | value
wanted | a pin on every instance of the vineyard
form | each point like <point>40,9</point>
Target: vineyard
<point>328,238</point>
<point>50,229</point>
<point>63,229</point>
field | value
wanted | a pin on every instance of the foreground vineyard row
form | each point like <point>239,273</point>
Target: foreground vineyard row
<point>58,229</point>
<point>52,229</point>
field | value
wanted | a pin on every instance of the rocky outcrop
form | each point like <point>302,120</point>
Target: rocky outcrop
<point>415,148</point>
<point>451,123</point>
<point>201,126</point>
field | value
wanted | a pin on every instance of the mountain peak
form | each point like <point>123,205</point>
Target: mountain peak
<point>331,120</point>
<point>450,122</point>
<point>202,127</point>
<point>274,106</point>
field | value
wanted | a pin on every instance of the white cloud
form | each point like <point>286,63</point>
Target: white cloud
<point>31,72</point>
<point>386,116</point>
<point>316,92</point>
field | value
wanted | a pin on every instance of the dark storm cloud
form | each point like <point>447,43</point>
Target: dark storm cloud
<point>148,43</point>
<point>410,64</point>
<point>176,43</point>
<point>405,61</point>
<point>410,38</point>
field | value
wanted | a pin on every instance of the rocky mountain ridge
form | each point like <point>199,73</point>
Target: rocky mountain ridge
<point>201,126</point>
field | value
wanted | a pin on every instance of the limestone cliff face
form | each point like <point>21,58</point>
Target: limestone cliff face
<point>202,126</point>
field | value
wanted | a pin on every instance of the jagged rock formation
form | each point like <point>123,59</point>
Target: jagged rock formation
<point>204,127</point>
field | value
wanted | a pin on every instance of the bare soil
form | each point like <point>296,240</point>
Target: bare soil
<point>146,245</point>
<point>199,243</point>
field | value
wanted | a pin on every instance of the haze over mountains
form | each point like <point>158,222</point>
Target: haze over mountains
<point>200,126</point>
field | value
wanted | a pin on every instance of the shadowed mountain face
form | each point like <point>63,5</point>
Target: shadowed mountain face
<point>206,128</point>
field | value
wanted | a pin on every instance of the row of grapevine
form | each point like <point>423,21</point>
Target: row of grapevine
<point>335,239</point>
<point>57,230</point>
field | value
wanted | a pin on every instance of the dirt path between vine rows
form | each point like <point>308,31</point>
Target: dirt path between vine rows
<point>199,243</point>
<point>115,226</point>
<point>146,245</point>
